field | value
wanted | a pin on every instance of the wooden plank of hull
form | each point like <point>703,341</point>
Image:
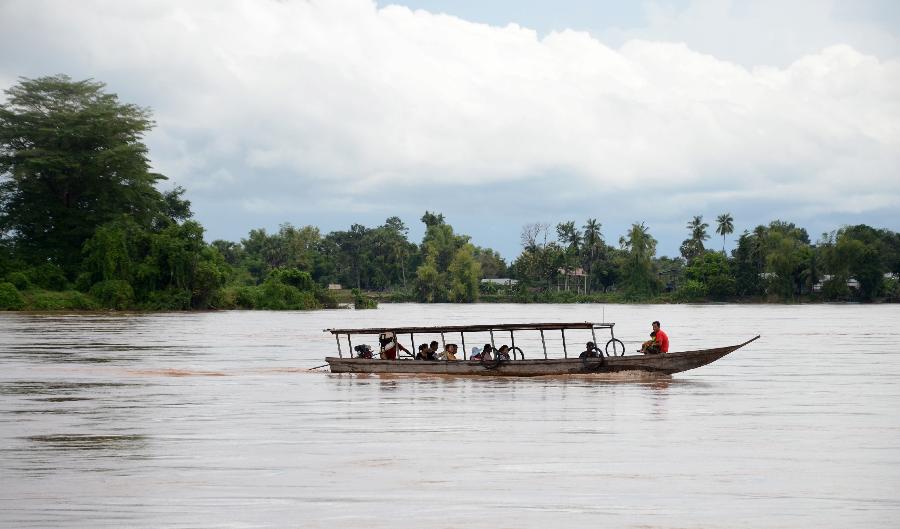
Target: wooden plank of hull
<point>663,363</point>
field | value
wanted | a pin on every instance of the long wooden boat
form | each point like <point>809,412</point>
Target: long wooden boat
<point>612,359</point>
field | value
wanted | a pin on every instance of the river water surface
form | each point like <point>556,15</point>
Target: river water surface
<point>212,420</point>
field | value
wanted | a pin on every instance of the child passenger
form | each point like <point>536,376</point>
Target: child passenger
<point>651,346</point>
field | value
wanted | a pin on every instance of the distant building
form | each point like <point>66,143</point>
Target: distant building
<point>851,283</point>
<point>575,278</point>
<point>334,286</point>
<point>502,281</point>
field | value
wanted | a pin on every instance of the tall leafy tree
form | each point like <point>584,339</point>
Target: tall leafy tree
<point>593,238</point>
<point>637,266</point>
<point>724,226</point>
<point>465,274</point>
<point>693,245</point>
<point>71,159</point>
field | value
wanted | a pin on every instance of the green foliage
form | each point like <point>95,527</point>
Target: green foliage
<point>693,246</point>
<point>19,279</point>
<point>10,298</point>
<point>83,282</point>
<point>892,289</point>
<point>75,160</point>
<point>169,299</point>
<point>47,276</point>
<point>429,283</point>
<point>244,297</point>
<point>275,295</point>
<point>465,274</point>
<point>113,294</point>
<point>724,226</point>
<point>293,277</point>
<point>361,301</point>
<point>692,290</point>
<point>67,300</point>
<point>639,278</point>
<point>712,272</point>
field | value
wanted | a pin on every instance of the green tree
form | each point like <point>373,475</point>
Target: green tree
<point>637,262</point>
<point>465,274</point>
<point>713,272</point>
<point>693,245</point>
<point>570,239</point>
<point>492,264</point>
<point>71,159</point>
<point>857,252</point>
<point>429,283</point>
<point>724,226</point>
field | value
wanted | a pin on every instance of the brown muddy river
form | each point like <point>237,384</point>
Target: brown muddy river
<point>211,420</point>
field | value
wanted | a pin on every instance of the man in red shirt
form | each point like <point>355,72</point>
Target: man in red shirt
<point>661,337</point>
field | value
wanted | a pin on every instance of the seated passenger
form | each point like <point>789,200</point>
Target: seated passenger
<point>389,346</point>
<point>503,352</point>
<point>449,352</point>
<point>486,352</point>
<point>651,346</point>
<point>424,353</point>
<point>433,349</point>
<point>590,351</point>
<point>476,354</point>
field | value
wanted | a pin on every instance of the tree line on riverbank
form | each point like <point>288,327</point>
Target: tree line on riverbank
<point>83,225</point>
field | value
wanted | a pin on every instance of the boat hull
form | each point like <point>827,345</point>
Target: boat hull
<point>667,364</point>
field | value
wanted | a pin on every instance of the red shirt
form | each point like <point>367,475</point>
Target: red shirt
<point>663,340</point>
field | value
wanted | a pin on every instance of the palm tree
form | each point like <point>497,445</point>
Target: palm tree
<point>698,230</point>
<point>638,269</point>
<point>592,235</point>
<point>725,227</point>
<point>592,238</point>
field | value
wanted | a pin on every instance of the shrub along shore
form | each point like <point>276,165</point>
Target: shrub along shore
<point>84,225</point>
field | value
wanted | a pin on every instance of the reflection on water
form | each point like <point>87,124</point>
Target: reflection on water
<point>213,420</point>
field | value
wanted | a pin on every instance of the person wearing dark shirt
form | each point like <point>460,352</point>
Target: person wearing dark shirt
<point>590,351</point>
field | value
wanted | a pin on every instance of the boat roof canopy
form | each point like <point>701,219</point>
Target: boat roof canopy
<point>478,328</point>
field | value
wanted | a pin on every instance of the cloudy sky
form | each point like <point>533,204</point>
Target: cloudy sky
<point>497,114</point>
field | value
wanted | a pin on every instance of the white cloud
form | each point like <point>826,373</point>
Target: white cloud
<point>268,100</point>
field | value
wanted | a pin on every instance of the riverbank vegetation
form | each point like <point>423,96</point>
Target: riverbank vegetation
<point>84,225</point>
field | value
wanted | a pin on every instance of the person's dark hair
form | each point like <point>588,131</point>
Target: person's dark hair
<point>487,347</point>
<point>423,346</point>
<point>653,334</point>
<point>434,343</point>
<point>657,324</point>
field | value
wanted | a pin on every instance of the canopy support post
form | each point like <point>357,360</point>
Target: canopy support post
<point>513,340</point>
<point>492,340</point>
<point>544,343</point>
<point>462,338</point>
<point>565,353</point>
<point>337,338</point>
<point>443,342</point>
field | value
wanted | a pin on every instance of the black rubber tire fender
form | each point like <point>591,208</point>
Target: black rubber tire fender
<point>617,345</point>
